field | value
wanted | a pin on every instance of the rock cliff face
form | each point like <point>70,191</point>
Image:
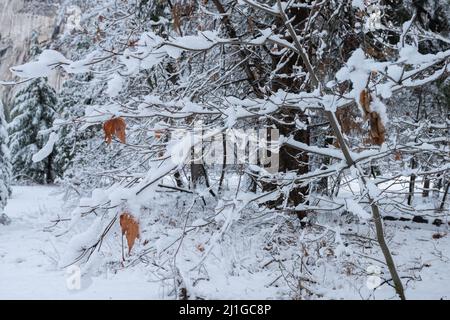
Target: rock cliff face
<point>18,19</point>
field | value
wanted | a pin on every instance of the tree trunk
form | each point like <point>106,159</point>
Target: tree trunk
<point>375,210</point>
<point>196,174</point>
<point>412,183</point>
<point>291,159</point>
<point>49,169</point>
<point>444,198</point>
<point>412,180</point>
<point>426,187</point>
<point>323,182</point>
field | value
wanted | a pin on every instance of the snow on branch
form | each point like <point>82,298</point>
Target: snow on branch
<point>47,149</point>
<point>49,60</point>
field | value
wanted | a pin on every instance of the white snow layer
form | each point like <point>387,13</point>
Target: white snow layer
<point>46,149</point>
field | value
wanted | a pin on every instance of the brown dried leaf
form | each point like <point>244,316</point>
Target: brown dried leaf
<point>251,24</point>
<point>130,228</point>
<point>377,129</point>
<point>364,101</point>
<point>158,134</point>
<point>181,10</point>
<point>348,120</point>
<point>115,127</point>
<point>176,15</point>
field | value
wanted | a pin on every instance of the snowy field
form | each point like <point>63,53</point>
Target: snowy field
<point>30,253</point>
<point>29,256</point>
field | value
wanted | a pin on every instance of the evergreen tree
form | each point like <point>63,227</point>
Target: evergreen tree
<point>5,165</point>
<point>32,113</point>
<point>71,102</point>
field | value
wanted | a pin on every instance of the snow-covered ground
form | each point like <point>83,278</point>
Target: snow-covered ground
<point>30,252</point>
